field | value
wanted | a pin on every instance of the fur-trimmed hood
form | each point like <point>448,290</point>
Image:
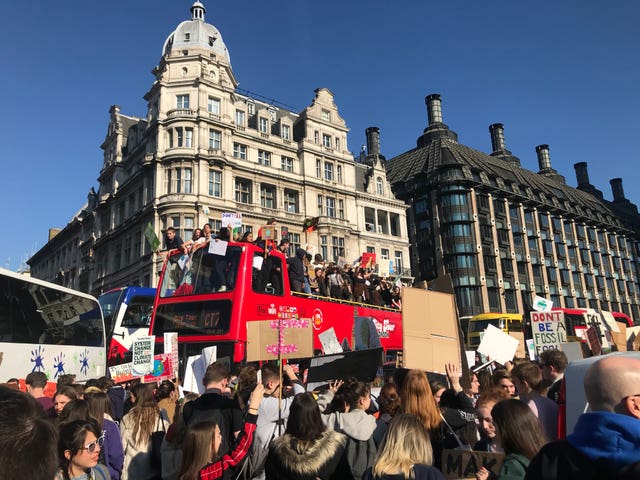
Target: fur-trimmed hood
<point>305,459</point>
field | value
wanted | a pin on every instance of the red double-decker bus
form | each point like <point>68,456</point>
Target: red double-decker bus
<point>578,320</point>
<point>209,295</point>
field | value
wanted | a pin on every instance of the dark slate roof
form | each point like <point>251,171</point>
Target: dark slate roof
<point>480,170</point>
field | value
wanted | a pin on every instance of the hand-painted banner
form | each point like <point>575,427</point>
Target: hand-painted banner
<point>288,337</point>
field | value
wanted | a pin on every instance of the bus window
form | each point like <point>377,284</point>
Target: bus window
<point>108,303</point>
<point>201,272</point>
<point>210,317</point>
<point>138,314</point>
<point>266,274</point>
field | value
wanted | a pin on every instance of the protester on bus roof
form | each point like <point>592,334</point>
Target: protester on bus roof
<point>307,450</point>
<point>204,439</point>
<point>27,438</point>
<point>36,381</point>
<point>79,447</point>
<point>247,237</point>
<point>295,268</point>
<point>605,442</point>
<point>112,455</point>
<point>405,452</point>
<point>528,380</point>
<point>518,432</point>
<point>553,363</point>
<point>283,246</point>
<point>173,241</point>
<point>136,428</point>
<point>321,283</point>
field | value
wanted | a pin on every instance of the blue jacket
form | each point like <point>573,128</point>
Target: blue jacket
<point>611,438</point>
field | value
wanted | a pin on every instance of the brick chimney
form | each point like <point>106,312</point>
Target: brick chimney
<point>617,190</point>
<point>497,137</point>
<point>373,140</point>
<point>582,175</point>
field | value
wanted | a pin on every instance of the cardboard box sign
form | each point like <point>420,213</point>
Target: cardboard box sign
<point>465,463</point>
<point>292,338</point>
<point>360,364</point>
<point>430,330</point>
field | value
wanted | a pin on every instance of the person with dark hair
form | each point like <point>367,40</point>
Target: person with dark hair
<point>553,363</point>
<point>519,433</point>
<point>405,452</point>
<point>166,396</point>
<point>112,454</point>
<point>215,404</point>
<point>203,440</point>
<point>605,443</point>
<point>79,446</point>
<point>173,241</point>
<point>27,438</point>
<point>307,450</point>
<point>528,380</point>
<point>502,379</point>
<point>66,379</point>
<point>76,409</point>
<point>457,412</point>
<point>136,429</point>
<point>347,414</point>
<point>171,449</point>
<point>116,394</point>
<point>295,268</point>
<point>36,381</point>
<point>437,389</point>
<point>389,401</point>
<point>64,395</point>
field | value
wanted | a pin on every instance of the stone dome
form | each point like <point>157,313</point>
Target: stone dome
<point>197,33</point>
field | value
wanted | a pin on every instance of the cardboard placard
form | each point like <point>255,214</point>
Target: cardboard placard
<point>430,330</point>
<point>521,351</point>
<point>633,338</point>
<point>291,337</point>
<point>573,350</point>
<point>593,339</point>
<point>268,232</point>
<point>143,361</point>
<point>368,260</point>
<point>541,304</point>
<point>619,338</point>
<point>218,247</point>
<point>162,370</point>
<point>498,345</point>
<point>465,463</point>
<point>548,330</point>
<point>610,321</point>
<point>329,341</point>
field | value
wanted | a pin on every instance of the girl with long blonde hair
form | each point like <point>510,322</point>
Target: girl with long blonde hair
<point>405,450</point>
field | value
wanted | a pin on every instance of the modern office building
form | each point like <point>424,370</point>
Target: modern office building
<point>206,148</point>
<point>506,234</point>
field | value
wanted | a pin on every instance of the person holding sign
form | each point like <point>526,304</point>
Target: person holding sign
<point>406,450</point>
<point>519,433</point>
<point>203,440</point>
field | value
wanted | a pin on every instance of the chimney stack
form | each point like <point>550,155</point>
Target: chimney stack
<point>434,108</point>
<point>582,175</point>
<point>373,141</point>
<point>616,189</point>
<point>544,159</point>
<point>497,137</point>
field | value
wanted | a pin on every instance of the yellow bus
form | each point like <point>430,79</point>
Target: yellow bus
<point>507,322</point>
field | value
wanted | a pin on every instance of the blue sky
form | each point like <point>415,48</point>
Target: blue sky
<point>562,73</point>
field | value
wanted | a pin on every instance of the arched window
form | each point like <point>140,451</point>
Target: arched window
<point>379,185</point>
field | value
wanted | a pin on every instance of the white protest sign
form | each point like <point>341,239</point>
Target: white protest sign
<point>143,361</point>
<point>193,374</point>
<point>593,319</point>
<point>573,350</point>
<point>182,261</point>
<point>471,357</point>
<point>329,341</point>
<point>232,220</point>
<point>542,304</point>
<point>383,268</point>
<point>548,330</point>
<point>171,348</point>
<point>610,321</point>
<point>497,345</point>
<point>209,355</point>
<point>531,349</point>
<point>218,247</point>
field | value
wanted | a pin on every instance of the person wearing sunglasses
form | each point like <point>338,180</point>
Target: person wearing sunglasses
<point>79,447</point>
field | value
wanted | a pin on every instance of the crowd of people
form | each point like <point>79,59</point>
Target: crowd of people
<point>263,424</point>
<point>307,272</point>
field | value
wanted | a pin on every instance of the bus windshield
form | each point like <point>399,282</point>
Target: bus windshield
<point>206,270</point>
<point>108,303</point>
<point>138,314</point>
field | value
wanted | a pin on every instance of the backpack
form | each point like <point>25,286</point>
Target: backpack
<point>360,455</point>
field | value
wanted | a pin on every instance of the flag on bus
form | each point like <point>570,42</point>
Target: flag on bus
<point>310,224</point>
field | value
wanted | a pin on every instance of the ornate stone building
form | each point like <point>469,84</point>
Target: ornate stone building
<point>206,148</point>
<point>506,234</point>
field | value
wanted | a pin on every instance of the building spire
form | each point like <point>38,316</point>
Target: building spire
<point>197,11</point>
